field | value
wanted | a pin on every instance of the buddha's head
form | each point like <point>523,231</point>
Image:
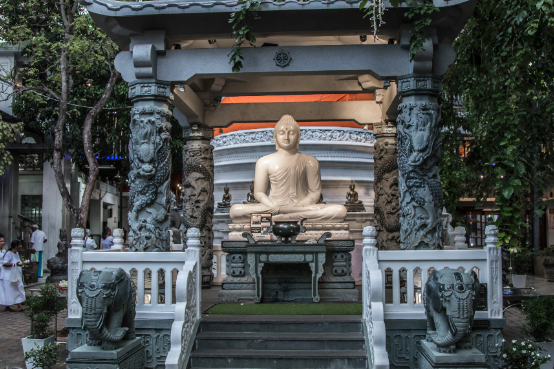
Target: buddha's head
<point>287,133</point>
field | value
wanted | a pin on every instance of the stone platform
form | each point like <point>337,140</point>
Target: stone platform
<point>129,354</point>
<point>339,231</point>
<point>289,282</point>
<point>430,358</point>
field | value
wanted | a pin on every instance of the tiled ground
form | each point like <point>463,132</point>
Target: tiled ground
<point>14,326</point>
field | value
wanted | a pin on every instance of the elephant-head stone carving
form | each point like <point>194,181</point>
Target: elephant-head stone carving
<point>450,302</point>
<point>108,298</point>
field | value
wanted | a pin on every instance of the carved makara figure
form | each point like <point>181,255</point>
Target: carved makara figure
<point>150,159</point>
<point>226,199</point>
<point>419,155</point>
<point>58,263</point>
<point>250,198</point>
<point>450,301</point>
<point>387,206</point>
<point>295,182</point>
<point>108,298</point>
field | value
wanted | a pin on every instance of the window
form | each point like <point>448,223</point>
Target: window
<point>31,207</point>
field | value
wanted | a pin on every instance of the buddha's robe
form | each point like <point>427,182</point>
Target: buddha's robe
<point>291,183</point>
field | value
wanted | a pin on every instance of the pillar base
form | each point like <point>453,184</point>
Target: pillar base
<point>430,358</point>
<point>129,354</point>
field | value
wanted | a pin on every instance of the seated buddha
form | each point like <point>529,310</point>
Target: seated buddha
<point>295,182</point>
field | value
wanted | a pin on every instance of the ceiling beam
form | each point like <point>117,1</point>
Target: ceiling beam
<point>362,112</point>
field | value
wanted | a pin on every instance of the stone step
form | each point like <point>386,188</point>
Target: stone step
<point>280,341</point>
<point>328,359</point>
<point>288,324</point>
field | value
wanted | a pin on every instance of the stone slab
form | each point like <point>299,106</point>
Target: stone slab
<point>430,358</point>
<point>129,355</point>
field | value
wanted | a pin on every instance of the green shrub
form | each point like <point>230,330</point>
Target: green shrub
<point>521,261</point>
<point>43,357</point>
<point>523,355</point>
<point>42,310</point>
<point>539,322</point>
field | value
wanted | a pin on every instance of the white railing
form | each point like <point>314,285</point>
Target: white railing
<point>393,283</point>
<point>219,267</point>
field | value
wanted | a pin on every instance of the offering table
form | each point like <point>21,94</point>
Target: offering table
<point>328,258</point>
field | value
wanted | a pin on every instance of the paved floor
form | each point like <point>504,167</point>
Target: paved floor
<point>15,326</point>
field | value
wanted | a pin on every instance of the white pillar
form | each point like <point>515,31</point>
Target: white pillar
<point>117,239</point>
<point>74,266</point>
<point>494,264</point>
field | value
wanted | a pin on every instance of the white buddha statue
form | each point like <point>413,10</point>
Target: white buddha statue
<point>295,183</point>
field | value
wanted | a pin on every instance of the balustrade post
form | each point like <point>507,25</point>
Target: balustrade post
<point>369,260</point>
<point>193,253</point>
<point>460,238</point>
<point>198,193</point>
<point>75,266</point>
<point>117,239</point>
<point>494,264</point>
<point>419,155</point>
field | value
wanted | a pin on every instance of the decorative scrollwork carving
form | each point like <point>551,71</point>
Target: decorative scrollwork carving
<point>307,134</point>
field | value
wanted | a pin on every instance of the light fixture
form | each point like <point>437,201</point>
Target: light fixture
<point>220,130</point>
<point>181,87</point>
<point>363,38</point>
<point>387,83</point>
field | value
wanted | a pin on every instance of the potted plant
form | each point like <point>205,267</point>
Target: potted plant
<point>548,262</point>
<point>43,357</point>
<point>539,323</point>
<point>523,355</point>
<point>520,264</point>
<point>42,311</point>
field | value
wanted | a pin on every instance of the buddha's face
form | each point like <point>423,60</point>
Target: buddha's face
<point>287,136</point>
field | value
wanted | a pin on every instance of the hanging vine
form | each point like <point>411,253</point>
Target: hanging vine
<point>421,12</point>
<point>245,11</point>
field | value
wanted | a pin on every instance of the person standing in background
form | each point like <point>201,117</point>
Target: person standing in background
<point>107,239</point>
<point>90,244</point>
<point>14,293</point>
<point>2,253</point>
<point>38,238</point>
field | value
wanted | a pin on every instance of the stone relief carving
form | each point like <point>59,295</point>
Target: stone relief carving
<point>387,205</point>
<point>198,199</point>
<point>335,134</point>
<point>150,159</point>
<point>419,154</point>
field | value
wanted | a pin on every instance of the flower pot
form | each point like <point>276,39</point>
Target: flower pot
<point>518,280</point>
<point>549,272</point>
<point>29,344</point>
<point>548,348</point>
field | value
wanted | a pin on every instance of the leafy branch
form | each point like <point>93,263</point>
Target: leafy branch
<point>422,12</point>
<point>241,32</point>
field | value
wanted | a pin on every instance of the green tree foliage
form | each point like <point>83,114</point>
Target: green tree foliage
<point>43,357</point>
<point>7,136</point>
<point>66,84</point>
<point>503,73</point>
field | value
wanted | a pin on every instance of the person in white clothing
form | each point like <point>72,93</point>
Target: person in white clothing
<point>90,244</point>
<point>38,238</point>
<point>2,253</point>
<point>12,281</point>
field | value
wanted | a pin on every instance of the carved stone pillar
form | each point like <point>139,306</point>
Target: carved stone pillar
<point>150,160</point>
<point>419,155</point>
<point>387,206</point>
<point>198,193</point>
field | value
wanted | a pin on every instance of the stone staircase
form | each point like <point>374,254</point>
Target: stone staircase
<point>284,341</point>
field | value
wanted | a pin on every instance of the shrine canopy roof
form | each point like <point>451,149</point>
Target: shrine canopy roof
<point>209,20</point>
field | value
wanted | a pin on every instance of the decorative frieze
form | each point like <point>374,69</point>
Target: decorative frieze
<point>419,155</point>
<point>387,205</point>
<point>150,160</point>
<point>306,134</point>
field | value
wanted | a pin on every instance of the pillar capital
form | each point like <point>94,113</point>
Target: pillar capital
<point>198,132</point>
<point>419,84</point>
<point>384,129</point>
<point>149,89</point>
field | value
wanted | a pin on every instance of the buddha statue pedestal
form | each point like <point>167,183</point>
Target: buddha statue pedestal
<point>286,278</point>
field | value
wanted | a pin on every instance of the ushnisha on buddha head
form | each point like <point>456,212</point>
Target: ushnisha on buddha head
<point>287,134</point>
